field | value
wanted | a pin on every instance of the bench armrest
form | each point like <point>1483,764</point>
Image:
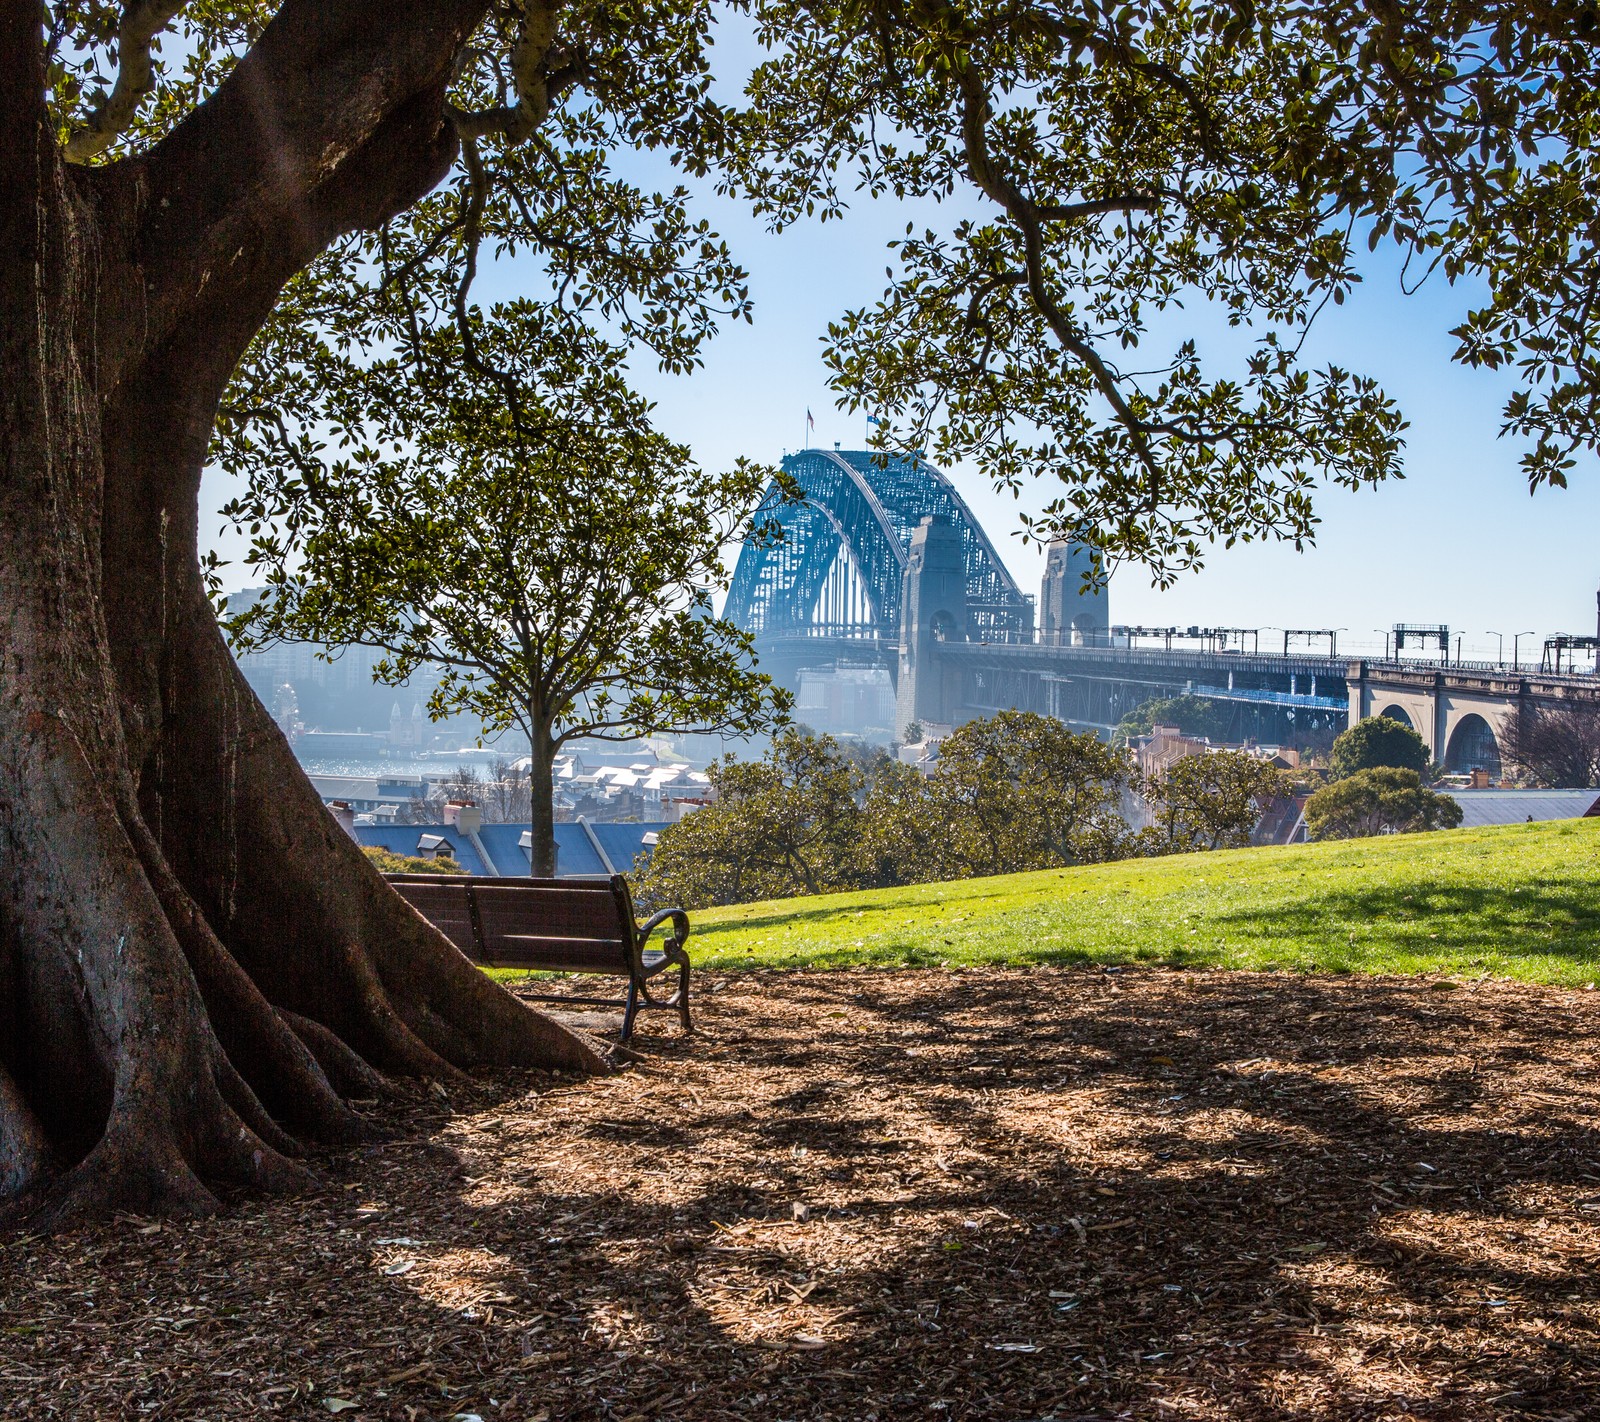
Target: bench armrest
<point>680,927</point>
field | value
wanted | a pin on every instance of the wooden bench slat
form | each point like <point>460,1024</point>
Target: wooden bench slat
<point>559,954</point>
<point>581,915</point>
<point>448,908</point>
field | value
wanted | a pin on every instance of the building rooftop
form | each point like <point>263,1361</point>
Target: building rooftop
<point>582,850</point>
<point>1512,807</point>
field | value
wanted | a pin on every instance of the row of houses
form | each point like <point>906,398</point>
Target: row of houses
<point>633,790</point>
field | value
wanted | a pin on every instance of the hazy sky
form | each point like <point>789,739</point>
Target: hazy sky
<point>1459,541</point>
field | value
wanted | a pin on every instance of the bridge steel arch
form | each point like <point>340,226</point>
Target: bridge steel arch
<point>865,507</point>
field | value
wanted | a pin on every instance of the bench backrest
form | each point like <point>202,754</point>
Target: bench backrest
<point>562,925</point>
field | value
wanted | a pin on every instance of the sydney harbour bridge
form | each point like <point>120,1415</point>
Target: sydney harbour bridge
<point>883,566</point>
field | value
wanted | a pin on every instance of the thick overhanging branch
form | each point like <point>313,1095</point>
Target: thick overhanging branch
<point>141,23</point>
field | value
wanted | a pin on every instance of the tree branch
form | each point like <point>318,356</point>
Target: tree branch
<point>333,120</point>
<point>536,37</point>
<point>996,185</point>
<point>141,23</point>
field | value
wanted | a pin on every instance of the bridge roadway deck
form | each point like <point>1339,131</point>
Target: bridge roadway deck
<point>1132,659</point>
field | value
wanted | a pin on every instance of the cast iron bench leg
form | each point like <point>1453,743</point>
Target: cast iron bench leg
<point>683,997</point>
<point>630,1010</point>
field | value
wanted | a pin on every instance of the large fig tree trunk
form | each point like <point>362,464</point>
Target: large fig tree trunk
<point>198,968</point>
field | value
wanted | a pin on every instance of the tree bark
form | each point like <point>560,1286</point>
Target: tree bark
<point>541,797</point>
<point>197,966</point>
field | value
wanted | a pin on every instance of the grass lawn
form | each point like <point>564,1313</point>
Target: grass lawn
<point>1521,901</point>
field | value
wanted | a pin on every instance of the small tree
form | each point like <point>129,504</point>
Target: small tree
<point>507,797</point>
<point>1378,741</point>
<point>783,825</point>
<point>1557,746</point>
<point>531,534</point>
<point>1021,791</point>
<point>1210,801</point>
<point>1383,800</point>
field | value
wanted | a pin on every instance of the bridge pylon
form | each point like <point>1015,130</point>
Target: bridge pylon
<point>933,610</point>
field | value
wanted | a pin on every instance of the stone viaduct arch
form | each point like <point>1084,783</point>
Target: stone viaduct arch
<point>1462,713</point>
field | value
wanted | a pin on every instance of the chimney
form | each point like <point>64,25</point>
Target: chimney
<point>341,811</point>
<point>464,815</point>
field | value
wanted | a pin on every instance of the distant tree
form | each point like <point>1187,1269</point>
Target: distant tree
<point>867,757</point>
<point>913,733</point>
<point>1193,715</point>
<point>530,533</point>
<point>387,862</point>
<point>1378,741</point>
<point>903,838</point>
<point>1021,791</point>
<point>786,824</point>
<point>1383,800</point>
<point>1209,802</point>
<point>1556,746</point>
<point>508,794</point>
<point>503,794</point>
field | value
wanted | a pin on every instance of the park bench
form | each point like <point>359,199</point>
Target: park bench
<point>557,926</point>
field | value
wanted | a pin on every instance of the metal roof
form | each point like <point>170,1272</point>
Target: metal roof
<point>1515,807</point>
<point>504,844</point>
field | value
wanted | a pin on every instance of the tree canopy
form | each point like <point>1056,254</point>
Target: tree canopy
<point>1210,801</point>
<point>530,533</point>
<point>1378,741</point>
<point>1010,793</point>
<point>1383,800</point>
<point>1193,715</point>
<point>1103,168</point>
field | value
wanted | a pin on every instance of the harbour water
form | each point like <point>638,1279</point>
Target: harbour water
<point>403,767</point>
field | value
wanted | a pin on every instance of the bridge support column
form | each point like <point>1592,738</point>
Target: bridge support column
<point>933,611</point>
<point>1068,616</point>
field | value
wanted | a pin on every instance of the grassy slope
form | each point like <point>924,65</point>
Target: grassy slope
<point>1521,901</point>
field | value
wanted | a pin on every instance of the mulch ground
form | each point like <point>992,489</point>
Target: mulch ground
<point>879,1195</point>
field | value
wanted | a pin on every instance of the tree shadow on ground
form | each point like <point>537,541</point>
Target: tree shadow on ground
<point>1053,1194</point>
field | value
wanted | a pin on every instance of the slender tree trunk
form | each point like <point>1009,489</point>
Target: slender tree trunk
<point>542,801</point>
<point>197,967</point>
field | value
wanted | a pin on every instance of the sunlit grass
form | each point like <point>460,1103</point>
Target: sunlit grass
<point>1521,901</point>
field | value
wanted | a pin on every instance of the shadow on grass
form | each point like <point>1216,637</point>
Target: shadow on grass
<point>1362,928</point>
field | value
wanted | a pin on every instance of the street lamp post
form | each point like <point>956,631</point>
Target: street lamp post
<point>1333,641</point>
<point>1385,632</point>
<point>1499,646</point>
<point>1516,661</point>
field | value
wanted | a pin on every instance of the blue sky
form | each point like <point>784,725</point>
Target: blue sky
<point>1460,541</point>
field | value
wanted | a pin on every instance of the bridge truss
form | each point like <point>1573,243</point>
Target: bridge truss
<point>836,573</point>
